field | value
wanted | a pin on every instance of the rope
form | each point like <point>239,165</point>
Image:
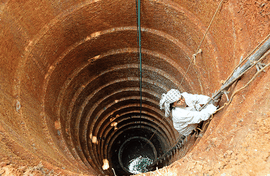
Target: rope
<point>210,24</point>
<point>150,138</point>
<point>138,11</point>
<point>198,49</point>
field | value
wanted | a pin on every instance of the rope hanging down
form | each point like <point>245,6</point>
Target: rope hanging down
<point>138,10</point>
<point>199,46</point>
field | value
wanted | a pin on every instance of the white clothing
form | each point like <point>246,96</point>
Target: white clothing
<point>186,119</point>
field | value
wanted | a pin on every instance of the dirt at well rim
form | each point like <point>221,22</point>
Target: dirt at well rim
<point>69,85</point>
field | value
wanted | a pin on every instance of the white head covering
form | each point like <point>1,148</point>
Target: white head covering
<point>172,96</point>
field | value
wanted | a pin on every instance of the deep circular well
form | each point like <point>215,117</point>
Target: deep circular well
<point>70,73</point>
<point>131,149</point>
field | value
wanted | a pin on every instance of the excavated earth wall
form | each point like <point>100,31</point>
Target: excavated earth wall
<point>70,92</point>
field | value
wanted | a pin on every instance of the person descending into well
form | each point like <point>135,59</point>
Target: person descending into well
<point>185,109</point>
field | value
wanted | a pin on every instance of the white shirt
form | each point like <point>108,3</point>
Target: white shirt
<point>186,119</point>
